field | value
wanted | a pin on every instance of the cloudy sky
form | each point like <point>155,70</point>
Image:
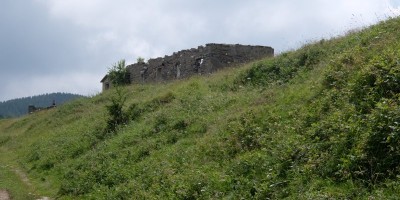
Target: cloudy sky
<point>68,45</point>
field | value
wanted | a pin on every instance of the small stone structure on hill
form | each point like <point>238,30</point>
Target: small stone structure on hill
<point>182,64</point>
<point>32,108</point>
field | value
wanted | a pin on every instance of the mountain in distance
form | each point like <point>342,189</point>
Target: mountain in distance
<point>18,107</point>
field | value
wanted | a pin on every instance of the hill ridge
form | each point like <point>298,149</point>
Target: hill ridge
<point>19,106</point>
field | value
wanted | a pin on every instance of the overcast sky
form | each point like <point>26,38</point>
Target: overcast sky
<point>68,45</point>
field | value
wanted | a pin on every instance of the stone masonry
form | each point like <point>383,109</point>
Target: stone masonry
<point>203,60</point>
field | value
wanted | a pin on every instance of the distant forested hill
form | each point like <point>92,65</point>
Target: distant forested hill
<point>18,107</point>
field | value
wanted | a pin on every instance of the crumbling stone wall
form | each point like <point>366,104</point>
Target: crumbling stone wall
<point>202,60</point>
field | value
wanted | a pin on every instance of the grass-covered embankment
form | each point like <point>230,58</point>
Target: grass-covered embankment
<point>316,123</point>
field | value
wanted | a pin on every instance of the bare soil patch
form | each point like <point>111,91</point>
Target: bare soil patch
<point>4,195</point>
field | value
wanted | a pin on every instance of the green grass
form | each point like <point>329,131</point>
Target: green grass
<point>321,122</point>
<point>9,180</point>
<point>9,169</point>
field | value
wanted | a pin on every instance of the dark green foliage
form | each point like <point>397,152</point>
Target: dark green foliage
<point>116,114</point>
<point>380,78</point>
<point>4,139</point>
<point>381,149</point>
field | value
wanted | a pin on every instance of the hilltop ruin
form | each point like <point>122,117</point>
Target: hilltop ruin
<point>196,61</point>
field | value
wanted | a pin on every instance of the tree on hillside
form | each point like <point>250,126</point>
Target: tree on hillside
<point>118,74</point>
<point>117,116</point>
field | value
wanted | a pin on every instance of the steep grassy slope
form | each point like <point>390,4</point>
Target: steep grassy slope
<point>317,123</point>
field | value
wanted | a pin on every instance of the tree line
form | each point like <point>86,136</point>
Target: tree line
<point>18,107</point>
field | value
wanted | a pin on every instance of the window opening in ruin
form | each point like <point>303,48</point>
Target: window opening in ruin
<point>106,86</point>
<point>128,78</point>
<point>198,63</point>
<point>178,71</point>
<point>158,75</point>
<point>143,73</point>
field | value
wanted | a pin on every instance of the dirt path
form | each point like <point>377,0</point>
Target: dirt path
<point>22,176</point>
<point>4,195</point>
<point>25,179</point>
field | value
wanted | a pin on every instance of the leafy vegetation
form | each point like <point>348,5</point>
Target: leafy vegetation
<point>140,60</point>
<point>321,122</point>
<point>117,116</point>
<point>118,74</point>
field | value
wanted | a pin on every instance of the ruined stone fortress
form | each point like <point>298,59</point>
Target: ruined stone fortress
<point>182,64</point>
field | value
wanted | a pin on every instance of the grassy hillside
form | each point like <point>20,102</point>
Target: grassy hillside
<point>321,122</point>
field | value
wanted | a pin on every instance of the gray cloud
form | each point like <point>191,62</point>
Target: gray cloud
<point>31,43</point>
<point>52,45</point>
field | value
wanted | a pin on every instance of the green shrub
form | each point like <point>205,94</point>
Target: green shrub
<point>118,74</point>
<point>4,139</point>
<point>380,78</point>
<point>381,147</point>
<point>247,132</point>
<point>117,115</point>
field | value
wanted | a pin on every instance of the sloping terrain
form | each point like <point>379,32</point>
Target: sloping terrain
<point>321,122</point>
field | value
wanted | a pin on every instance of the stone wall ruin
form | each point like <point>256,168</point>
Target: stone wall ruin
<point>183,64</point>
